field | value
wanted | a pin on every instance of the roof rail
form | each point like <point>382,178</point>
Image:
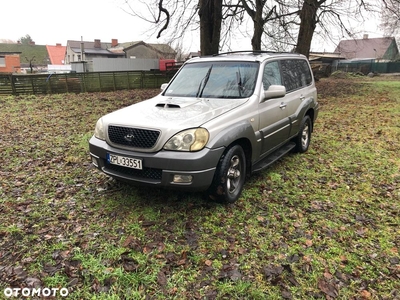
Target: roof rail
<point>254,52</point>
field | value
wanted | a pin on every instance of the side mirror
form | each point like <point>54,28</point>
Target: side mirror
<point>164,86</point>
<point>274,91</point>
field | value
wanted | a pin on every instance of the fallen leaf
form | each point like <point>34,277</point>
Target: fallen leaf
<point>309,243</point>
<point>208,262</point>
<point>365,294</point>
<point>161,278</point>
<point>328,288</point>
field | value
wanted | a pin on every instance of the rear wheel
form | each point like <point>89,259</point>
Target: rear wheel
<point>230,176</point>
<point>303,138</point>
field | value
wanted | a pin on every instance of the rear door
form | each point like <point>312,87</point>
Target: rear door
<point>297,79</point>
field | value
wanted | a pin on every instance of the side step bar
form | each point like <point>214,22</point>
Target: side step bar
<point>273,157</point>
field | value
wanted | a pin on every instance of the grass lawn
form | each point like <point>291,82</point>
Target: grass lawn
<point>320,225</point>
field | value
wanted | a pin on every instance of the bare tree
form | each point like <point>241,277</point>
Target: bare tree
<point>390,17</point>
<point>263,13</point>
<point>169,18</point>
<point>181,15</point>
<point>278,24</point>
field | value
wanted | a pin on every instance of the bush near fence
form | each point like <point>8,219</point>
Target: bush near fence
<point>15,84</point>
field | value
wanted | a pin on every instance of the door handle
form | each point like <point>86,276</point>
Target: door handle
<point>283,105</point>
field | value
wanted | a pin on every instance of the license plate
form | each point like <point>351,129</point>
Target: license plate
<point>124,161</point>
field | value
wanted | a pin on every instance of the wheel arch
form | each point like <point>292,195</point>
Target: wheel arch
<point>241,133</point>
<point>311,113</point>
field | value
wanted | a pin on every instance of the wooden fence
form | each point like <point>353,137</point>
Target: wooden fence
<point>11,84</point>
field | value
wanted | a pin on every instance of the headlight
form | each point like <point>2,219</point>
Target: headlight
<point>99,131</point>
<point>188,140</point>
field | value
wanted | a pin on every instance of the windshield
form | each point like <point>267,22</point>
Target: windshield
<point>215,80</point>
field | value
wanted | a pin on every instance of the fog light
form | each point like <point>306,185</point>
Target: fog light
<point>94,162</point>
<point>183,178</point>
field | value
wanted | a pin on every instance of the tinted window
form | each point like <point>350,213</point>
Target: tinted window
<point>271,75</point>
<point>296,74</point>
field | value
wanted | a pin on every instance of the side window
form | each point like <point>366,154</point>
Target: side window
<point>305,72</point>
<point>296,74</point>
<point>271,75</point>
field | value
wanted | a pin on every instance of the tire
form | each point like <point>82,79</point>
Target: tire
<point>303,138</point>
<point>230,176</point>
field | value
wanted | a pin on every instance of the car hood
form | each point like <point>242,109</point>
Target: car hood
<point>168,113</point>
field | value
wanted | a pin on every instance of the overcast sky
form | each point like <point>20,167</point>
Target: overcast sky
<point>50,21</point>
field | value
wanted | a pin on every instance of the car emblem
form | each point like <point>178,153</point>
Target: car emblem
<point>129,137</point>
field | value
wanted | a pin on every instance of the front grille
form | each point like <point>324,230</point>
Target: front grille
<point>133,137</point>
<point>145,173</point>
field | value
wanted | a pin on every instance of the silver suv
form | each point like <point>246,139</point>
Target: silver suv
<point>219,119</point>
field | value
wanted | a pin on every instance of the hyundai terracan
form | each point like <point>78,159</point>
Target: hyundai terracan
<point>218,120</point>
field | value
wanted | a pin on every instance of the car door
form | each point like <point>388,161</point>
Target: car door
<point>273,119</point>
<point>296,76</point>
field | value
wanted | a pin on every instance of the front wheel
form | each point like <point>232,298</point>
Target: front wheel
<point>303,138</point>
<point>230,176</point>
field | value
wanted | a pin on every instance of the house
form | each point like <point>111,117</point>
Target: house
<point>56,54</point>
<point>98,56</point>
<point>31,56</point>
<point>382,49</point>
<point>10,62</point>
<point>79,51</point>
<point>141,49</point>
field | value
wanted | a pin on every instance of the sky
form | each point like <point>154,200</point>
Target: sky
<point>53,21</point>
<point>50,21</point>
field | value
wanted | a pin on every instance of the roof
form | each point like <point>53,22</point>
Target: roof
<point>161,48</point>
<point>56,54</point>
<point>365,48</point>
<point>325,55</point>
<point>37,53</point>
<point>90,48</point>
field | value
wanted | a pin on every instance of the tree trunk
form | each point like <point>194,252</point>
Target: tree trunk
<point>308,22</point>
<point>258,26</point>
<point>210,12</point>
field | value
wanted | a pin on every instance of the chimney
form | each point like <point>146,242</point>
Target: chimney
<point>58,45</point>
<point>365,37</point>
<point>114,42</point>
<point>97,43</point>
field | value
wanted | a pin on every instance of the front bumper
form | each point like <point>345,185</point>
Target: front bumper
<point>161,167</point>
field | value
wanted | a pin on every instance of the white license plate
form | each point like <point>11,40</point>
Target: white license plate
<point>124,161</point>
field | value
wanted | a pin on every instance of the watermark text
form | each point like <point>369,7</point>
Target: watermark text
<point>39,292</point>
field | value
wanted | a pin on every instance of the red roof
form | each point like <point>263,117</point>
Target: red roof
<point>56,54</point>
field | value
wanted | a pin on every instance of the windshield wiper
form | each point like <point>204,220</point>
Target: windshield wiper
<point>203,83</point>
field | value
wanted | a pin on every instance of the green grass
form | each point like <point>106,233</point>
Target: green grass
<point>316,225</point>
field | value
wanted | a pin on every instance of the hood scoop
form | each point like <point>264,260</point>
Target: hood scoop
<point>177,102</point>
<point>168,105</point>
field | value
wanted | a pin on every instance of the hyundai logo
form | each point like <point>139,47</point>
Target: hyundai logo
<point>129,137</point>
